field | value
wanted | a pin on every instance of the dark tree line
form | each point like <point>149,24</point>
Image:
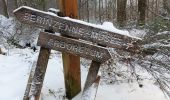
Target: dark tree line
<point>98,11</point>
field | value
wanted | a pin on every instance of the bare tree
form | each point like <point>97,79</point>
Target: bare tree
<point>5,9</point>
<point>16,3</point>
<point>38,4</point>
<point>166,4</point>
<point>121,12</point>
<point>141,10</point>
<point>0,51</point>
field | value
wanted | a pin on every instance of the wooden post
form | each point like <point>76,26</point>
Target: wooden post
<point>71,63</point>
<point>36,80</point>
<point>96,85</point>
<point>26,94</point>
<point>92,74</point>
<point>91,93</point>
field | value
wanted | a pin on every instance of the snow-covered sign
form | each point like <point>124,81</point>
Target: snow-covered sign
<point>74,28</point>
<point>74,47</point>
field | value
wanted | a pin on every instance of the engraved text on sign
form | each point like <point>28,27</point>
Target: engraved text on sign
<point>72,46</point>
<point>73,28</point>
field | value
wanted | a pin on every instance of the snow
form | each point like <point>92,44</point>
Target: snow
<point>137,33</point>
<point>129,92</point>
<point>164,33</point>
<point>13,76</point>
<point>3,50</point>
<point>15,68</point>
<point>108,26</point>
<point>54,11</point>
<point>51,13</point>
<point>6,26</point>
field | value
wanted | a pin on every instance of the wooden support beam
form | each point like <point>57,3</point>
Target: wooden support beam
<point>40,71</point>
<point>26,94</point>
<point>71,63</point>
<point>37,74</point>
<point>91,93</point>
<point>92,74</point>
<point>96,85</point>
<point>38,78</point>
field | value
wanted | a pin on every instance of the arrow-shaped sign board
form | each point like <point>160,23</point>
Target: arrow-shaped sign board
<point>73,28</point>
<point>72,46</point>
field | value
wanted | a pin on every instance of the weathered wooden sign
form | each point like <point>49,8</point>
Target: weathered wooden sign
<point>73,28</point>
<point>70,28</point>
<point>73,46</point>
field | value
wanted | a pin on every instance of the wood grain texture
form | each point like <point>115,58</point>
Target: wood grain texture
<point>92,75</point>
<point>36,78</point>
<point>27,91</point>
<point>76,29</point>
<point>69,8</point>
<point>72,74</point>
<point>71,63</point>
<point>74,47</point>
<point>91,93</point>
<point>39,75</point>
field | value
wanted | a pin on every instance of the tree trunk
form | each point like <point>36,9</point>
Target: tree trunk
<point>38,4</point>
<point>16,3</point>
<point>166,4</point>
<point>141,10</point>
<point>5,9</point>
<point>121,12</point>
<point>0,51</point>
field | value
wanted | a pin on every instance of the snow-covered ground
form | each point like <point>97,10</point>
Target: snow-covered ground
<point>16,65</point>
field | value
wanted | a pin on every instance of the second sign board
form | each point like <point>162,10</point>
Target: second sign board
<point>72,46</point>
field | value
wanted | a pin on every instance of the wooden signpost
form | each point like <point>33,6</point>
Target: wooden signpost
<point>73,28</point>
<point>76,47</point>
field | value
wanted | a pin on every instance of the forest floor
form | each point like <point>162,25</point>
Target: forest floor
<point>16,65</point>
